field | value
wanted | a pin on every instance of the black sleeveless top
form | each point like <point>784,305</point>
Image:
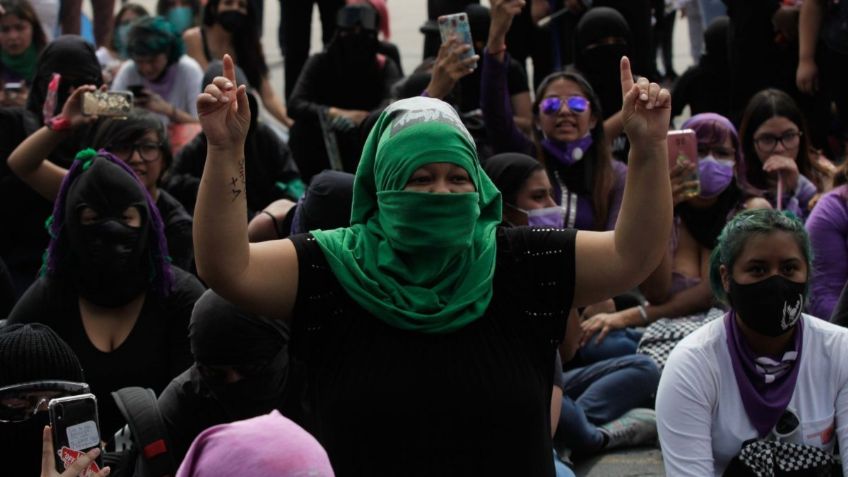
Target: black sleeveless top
<point>472,402</point>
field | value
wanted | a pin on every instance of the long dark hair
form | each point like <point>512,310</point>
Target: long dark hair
<point>763,106</point>
<point>246,44</point>
<point>23,10</point>
<point>598,159</point>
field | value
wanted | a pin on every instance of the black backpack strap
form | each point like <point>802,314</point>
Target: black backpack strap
<point>140,409</point>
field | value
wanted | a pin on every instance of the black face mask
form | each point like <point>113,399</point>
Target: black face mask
<point>254,395</point>
<point>771,307</point>
<point>232,21</point>
<point>358,49</point>
<point>111,262</point>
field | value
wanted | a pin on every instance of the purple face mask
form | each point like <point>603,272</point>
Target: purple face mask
<point>568,153</point>
<point>549,217</point>
<point>715,176</point>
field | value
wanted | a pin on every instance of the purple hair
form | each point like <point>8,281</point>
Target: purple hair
<point>162,279</point>
<point>712,128</point>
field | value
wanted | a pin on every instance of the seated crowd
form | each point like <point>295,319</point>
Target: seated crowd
<point>462,271</point>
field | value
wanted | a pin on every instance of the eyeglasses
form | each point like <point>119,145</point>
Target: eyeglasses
<point>575,104</point>
<point>20,402</point>
<point>768,142</point>
<point>149,151</point>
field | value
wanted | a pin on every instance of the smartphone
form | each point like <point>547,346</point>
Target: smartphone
<point>683,150</point>
<point>76,429</point>
<point>457,24</point>
<point>107,103</point>
<point>137,90</point>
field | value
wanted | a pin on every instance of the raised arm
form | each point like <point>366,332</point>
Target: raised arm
<point>261,277</point>
<point>608,263</point>
<point>28,161</point>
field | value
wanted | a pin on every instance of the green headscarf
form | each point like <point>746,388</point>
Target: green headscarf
<point>418,261</point>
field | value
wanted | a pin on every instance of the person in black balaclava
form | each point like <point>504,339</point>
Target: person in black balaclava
<point>23,238</point>
<point>107,287</point>
<point>31,353</point>
<point>240,370</point>
<point>271,171</point>
<point>705,87</point>
<point>602,38</point>
<point>343,84</point>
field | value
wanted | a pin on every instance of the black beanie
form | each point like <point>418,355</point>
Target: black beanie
<point>34,352</point>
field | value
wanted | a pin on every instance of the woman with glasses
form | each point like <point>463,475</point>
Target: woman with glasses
<point>140,140</point>
<point>106,285</point>
<point>765,386</point>
<point>568,133</point>
<point>775,146</point>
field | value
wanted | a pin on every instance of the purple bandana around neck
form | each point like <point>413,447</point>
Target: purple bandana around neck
<point>764,402</point>
<point>567,153</point>
<point>165,84</point>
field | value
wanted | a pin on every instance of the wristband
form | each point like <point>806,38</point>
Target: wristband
<point>498,51</point>
<point>643,313</point>
<point>273,219</point>
<point>58,123</point>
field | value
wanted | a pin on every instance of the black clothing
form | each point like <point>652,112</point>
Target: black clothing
<point>296,25</point>
<point>8,297</point>
<point>637,13</point>
<point>706,86</point>
<point>475,401</point>
<point>509,170</point>
<point>705,225</point>
<point>597,59</point>
<point>177,224</point>
<point>268,161</point>
<point>467,89</point>
<point>840,311</point>
<point>324,82</point>
<point>155,350</point>
<point>325,205</point>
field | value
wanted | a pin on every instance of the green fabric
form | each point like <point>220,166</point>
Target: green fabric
<point>418,261</point>
<point>22,65</point>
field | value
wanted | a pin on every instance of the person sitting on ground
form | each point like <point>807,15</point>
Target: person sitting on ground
<point>21,41</point>
<point>591,416</point>
<point>229,27</point>
<point>425,291</point>
<point>704,87</point>
<point>23,236</point>
<point>113,54</point>
<point>775,148</point>
<point>339,86</point>
<point>182,14</point>
<point>325,205</point>
<point>265,445</point>
<point>240,370</point>
<point>678,292</point>
<point>107,287</point>
<point>271,172</point>
<point>765,386</point>
<point>140,140</point>
<point>36,365</point>
<point>828,229</point>
<point>569,134</point>
<point>162,78</point>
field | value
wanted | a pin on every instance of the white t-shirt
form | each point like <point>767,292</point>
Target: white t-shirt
<point>183,94</point>
<point>700,416</point>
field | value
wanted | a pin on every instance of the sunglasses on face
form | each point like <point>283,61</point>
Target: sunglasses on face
<point>553,104</point>
<point>20,402</point>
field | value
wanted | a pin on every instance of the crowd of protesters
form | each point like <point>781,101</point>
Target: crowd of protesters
<point>494,265</point>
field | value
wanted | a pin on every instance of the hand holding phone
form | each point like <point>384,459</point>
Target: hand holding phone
<point>683,160</point>
<point>75,431</point>
<point>456,25</point>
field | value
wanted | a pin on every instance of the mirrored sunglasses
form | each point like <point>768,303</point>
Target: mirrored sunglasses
<point>575,104</point>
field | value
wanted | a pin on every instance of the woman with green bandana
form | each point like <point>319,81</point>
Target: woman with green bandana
<point>429,332</point>
<point>21,40</point>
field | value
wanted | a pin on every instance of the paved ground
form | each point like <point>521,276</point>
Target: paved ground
<point>641,462</point>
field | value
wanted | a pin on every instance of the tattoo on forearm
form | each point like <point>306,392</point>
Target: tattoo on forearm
<point>238,184</point>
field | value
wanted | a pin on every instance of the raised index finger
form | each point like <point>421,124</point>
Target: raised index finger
<point>229,69</point>
<point>626,76</point>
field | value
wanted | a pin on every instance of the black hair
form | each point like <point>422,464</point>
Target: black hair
<point>112,131</point>
<point>246,44</point>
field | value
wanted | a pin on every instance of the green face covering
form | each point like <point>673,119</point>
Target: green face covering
<point>24,64</point>
<point>418,261</point>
